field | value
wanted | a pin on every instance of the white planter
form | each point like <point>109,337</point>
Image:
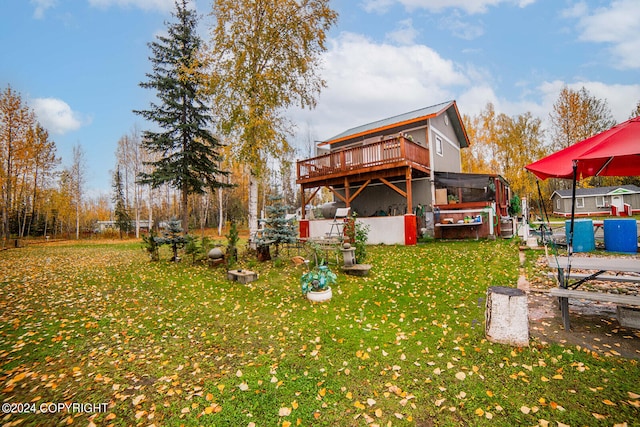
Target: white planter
<point>320,296</point>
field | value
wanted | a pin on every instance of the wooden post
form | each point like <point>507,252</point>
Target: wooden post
<point>409,191</point>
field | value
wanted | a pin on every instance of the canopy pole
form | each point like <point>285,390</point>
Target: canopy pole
<point>573,215</point>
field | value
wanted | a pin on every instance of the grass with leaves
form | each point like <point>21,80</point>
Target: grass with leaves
<point>176,344</point>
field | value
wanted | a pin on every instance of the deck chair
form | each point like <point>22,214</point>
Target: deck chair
<point>337,226</point>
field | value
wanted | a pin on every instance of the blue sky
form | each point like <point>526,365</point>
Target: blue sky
<point>78,63</point>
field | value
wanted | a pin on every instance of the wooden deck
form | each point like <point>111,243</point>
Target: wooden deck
<point>389,154</point>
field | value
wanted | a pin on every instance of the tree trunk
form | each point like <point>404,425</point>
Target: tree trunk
<point>220,213</point>
<point>253,207</point>
<point>185,211</point>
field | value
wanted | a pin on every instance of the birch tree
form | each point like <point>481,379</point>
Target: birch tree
<point>577,115</point>
<point>265,56</point>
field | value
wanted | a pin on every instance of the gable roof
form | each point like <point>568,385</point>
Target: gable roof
<point>597,191</point>
<point>404,121</point>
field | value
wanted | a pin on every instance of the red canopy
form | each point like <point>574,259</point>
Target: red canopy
<point>615,152</point>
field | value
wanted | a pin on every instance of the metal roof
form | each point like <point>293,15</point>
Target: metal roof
<point>406,118</point>
<point>597,191</point>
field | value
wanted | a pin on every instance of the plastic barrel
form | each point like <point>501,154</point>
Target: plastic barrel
<point>621,235</point>
<point>583,239</point>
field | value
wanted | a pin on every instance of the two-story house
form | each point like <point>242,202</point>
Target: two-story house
<point>389,168</point>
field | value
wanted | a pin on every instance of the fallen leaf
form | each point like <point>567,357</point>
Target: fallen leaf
<point>284,412</point>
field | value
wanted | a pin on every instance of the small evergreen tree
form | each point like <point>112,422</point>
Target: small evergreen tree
<point>174,237</point>
<point>277,228</point>
<point>123,220</point>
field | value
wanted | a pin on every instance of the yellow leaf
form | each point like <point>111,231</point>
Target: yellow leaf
<point>489,393</point>
<point>633,395</point>
<point>294,404</point>
<point>461,376</point>
<point>544,379</point>
<point>479,412</point>
<point>110,417</point>
<point>185,410</point>
<point>221,387</point>
<point>349,395</point>
<point>286,424</point>
<point>378,413</point>
<point>557,377</point>
<point>208,410</point>
<point>358,405</point>
<point>322,392</point>
<point>608,402</point>
<point>136,400</point>
<point>598,416</point>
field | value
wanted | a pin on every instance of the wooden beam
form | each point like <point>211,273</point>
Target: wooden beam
<point>347,190</point>
<point>305,200</point>
<point>338,195</point>
<point>359,190</point>
<point>393,187</point>
<point>409,191</point>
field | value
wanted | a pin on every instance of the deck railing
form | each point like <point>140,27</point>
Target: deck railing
<point>363,157</point>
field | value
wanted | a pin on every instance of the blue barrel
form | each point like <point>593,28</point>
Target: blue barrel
<point>621,235</point>
<point>583,239</point>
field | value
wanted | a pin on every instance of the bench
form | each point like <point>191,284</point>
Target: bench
<point>602,277</point>
<point>628,318</point>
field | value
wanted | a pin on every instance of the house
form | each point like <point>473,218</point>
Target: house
<point>615,200</point>
<point>385,172</point>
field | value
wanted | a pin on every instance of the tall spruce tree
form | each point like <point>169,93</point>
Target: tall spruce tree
<point>189,155</point>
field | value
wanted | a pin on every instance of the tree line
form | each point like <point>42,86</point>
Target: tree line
<point>505,144</point>
<point>215,144</point>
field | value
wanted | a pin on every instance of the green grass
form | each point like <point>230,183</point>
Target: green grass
<point>176,344</point>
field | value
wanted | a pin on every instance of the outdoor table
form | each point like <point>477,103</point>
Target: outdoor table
<point>618,266</point>
<point>473,226</point>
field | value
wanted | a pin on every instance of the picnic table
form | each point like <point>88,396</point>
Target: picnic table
<point>621,269</point>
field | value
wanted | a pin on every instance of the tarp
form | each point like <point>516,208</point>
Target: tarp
<point>615,152</point>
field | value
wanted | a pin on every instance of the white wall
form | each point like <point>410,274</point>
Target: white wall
<point>388,230</point>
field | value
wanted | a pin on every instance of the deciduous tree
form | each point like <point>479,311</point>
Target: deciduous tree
<point>265,57</point>
<point>577,115</point>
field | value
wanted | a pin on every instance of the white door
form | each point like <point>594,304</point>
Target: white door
<point>618,202</point>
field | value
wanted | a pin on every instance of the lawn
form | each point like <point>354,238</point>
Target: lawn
<point>176,344</point>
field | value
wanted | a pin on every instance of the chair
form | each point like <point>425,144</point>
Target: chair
<point>337,226</point>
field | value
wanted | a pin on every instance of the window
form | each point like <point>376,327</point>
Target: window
<point>446,119</point>
<point>439,145</point>
<point>600,201</point>
<point>558,200</point>
<point>580,202</point>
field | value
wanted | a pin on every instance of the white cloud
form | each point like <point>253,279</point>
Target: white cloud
<point>621,99</point>
<point>41,7</point>
<point>405,34</point>
<point>461,29</point>
<point>469,6</point>
<point>617,26</point>
<point>368,81</point>
<point>162,5</point>
<point>56,115</point>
